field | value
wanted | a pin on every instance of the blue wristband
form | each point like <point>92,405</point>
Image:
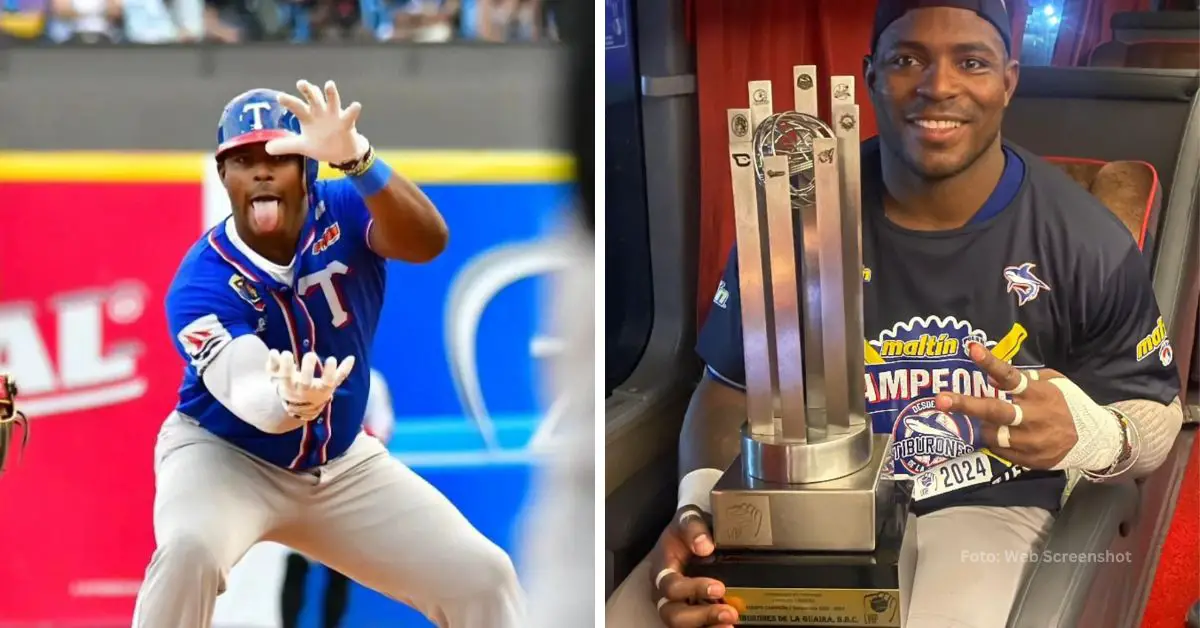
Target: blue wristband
<point>373,180</point>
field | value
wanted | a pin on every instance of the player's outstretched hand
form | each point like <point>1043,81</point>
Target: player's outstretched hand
<point>303,393</point>
<point>327,132</point>
<point>1050,424</point>
<point>687,602</point>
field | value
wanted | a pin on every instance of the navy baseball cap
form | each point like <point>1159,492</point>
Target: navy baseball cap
<point>994,11</point>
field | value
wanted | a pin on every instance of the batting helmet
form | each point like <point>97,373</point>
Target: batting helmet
<point>256,116</point>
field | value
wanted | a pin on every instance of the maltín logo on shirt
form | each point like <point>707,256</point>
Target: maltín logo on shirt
<point>923,356</point>
<point>934,338</point>
<point>1156,342</point>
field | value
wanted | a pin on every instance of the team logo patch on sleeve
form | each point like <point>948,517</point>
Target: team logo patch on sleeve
<point>203,339</point>
<point>1022,281</point>
<point>247,292</point>
<point>328,238</point>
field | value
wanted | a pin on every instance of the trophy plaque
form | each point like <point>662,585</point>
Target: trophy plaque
<point>807,521</point>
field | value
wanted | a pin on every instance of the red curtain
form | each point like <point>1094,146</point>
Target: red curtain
<point>1085,25</point>
<point>740,41</point>
<point>737,42</point>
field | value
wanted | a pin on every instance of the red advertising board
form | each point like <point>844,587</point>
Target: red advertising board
<point>84,269</point>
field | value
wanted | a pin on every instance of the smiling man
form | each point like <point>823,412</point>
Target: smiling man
<point>1011,327</point>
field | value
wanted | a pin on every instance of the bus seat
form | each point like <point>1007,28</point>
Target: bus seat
<point>1110,54</point>
<point>1182,55</point>
<point>1133,26</point>
<point>1079,112</point>
<point>1174,54</point>
<point>1129,189</point>
<point>1087,112</point>
<point>635,513</point>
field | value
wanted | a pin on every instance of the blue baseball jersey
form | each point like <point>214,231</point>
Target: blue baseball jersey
<point>1043,276</point>
<point>331,308</point>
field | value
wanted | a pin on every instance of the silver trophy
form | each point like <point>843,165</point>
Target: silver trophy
<point>812,476</point>
<point>807,524</point>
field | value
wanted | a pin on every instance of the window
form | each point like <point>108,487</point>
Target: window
<point>629,307</point>
<point>1041,31</point>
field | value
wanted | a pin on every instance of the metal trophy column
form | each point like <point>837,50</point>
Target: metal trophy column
<point>808,452</point>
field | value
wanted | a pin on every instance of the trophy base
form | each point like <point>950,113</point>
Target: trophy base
<point>845,514</point>
<point>840,452</point>
<point>819,554</point>
<point>773,588</point>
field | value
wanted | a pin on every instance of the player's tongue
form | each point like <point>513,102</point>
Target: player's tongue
<point>265,215</point>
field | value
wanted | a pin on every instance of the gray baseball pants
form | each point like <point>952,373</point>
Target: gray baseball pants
<point>364,514</point>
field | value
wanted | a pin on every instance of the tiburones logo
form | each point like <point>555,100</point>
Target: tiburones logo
<point>924,437</point>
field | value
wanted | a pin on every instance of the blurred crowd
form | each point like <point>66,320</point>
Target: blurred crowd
<point>298,21</point>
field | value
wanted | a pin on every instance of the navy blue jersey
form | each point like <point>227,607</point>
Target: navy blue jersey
<point>1044,276</point>
<point>331,309</point>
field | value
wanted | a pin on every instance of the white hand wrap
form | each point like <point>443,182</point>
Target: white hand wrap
<point>1100,436</point>
<point>696,488</point>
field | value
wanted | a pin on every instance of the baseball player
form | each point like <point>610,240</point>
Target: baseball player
<point>378,421</point>
<point>1032,342</point>
<point>272,311</point>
